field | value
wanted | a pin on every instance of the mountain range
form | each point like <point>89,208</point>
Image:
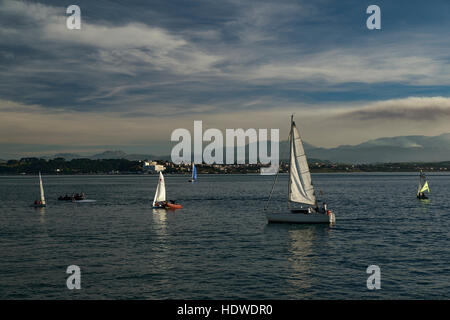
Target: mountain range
<point>108,155</point>
<point>382,150</point>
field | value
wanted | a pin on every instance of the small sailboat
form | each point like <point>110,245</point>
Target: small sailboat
<point>194,174</point>
<point>301,189</point>
<point>159,201</point>
<point>423,186</point>
<point>41,203</point>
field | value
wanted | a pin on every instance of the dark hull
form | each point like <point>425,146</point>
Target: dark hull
<point>69,198</point>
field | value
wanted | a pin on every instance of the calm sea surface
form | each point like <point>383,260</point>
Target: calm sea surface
<point>219,246</point>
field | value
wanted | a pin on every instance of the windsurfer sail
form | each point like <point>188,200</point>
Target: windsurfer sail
<point>194,174</point>
<point>423,186</point>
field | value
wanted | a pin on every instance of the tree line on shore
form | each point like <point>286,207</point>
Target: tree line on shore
<point>114,166</point>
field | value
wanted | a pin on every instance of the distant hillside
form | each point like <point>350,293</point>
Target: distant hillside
<point>108,155</point>
<point>66,156</point>
<point>383,150</point>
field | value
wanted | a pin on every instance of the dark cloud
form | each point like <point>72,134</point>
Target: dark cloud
<point>410,109</point>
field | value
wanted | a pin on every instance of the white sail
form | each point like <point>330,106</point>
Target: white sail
<point>300,185</point>
<point>160,194</point>
<point>42,189</point>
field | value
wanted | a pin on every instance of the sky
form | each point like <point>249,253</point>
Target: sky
<point>137,70</point>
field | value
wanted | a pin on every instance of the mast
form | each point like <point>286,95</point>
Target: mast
<point>290,162</point>
<point>420,182</point>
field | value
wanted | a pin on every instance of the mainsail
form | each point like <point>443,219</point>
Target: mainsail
<point>160,194</point>
<point>42,189</point>
<point>423,184</point>
<point>300,185</point>
<point>425,187</point>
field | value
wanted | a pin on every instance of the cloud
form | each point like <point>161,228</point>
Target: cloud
<point>137,70</point>
<point>418,109</point>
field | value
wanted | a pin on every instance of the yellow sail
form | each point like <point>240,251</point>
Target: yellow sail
<point>425,187</point>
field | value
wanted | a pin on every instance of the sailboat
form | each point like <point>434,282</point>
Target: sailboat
<point>194,174</point>
<point>423,186</point>
<point>41,203</point>
<point>159,201</point>
<point>301,189</point>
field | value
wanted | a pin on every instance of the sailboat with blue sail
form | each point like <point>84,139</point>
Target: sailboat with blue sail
<point>194,174</point>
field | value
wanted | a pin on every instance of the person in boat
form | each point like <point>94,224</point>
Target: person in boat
<point>36,202</point>
<point>324,208</point>
<point>422,195</point>
<point>160,204</point>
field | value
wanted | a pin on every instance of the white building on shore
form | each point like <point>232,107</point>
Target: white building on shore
<point>152,167</point>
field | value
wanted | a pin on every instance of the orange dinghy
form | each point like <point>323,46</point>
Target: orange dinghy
<point>173,206</point>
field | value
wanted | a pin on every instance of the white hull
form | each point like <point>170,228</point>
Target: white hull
<point>290,217</point>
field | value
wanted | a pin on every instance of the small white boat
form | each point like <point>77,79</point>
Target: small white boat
<point>41,203</point>
<point>301,190</point>
<point>159,201</point>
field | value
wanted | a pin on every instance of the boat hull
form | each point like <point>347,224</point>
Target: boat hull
<point>310,218</point>
<point>173,206</point>
<point>38,205</point>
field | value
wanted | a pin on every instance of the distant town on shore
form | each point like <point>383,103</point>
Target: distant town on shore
<point>57,166</point>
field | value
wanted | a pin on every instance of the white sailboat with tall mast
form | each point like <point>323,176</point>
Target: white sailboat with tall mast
<point>301,189</point>
<point>41,203</point>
